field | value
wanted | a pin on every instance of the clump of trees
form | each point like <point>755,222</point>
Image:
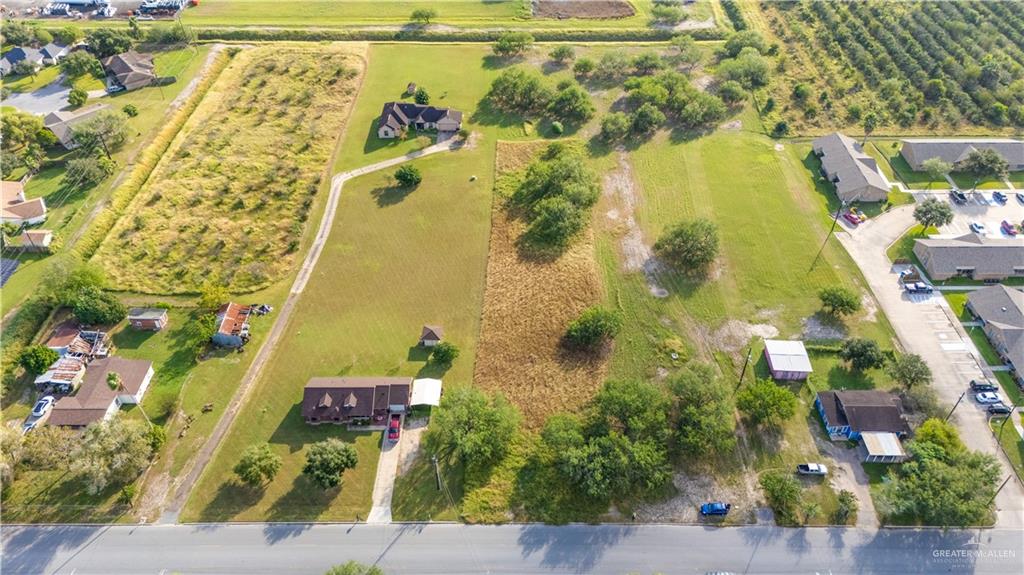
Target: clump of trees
<point>513,44</point>
<point>765,402</point>
<point>105,42</point>
<point>672,94</point>
<point>839,300</point>
<point>689,246</point>
<point>862,353</point>
<point>527,94</point>
<point>445,353</point>
<point>111,452</point>
<point>36,359</point>
<point>705,424</point>
<point>985,163</point>
<point>327,460</point>
<point>81,63</point>
<point>909,370</point>
<point>555,197</point>
<point>933,213</point>
<point>472,427</point>
<point>23,141</point>
<point>593,328</point>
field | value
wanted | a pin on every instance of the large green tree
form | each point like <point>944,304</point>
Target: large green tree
<point>862,353</point>
<point>37,359</point>
<point>765,402</point>
<point>327,460</point>
<point>839,300</point>
<point>104,42</point>
<point>513,43</point>
<point>473,427</point>
<point>909,370</point>
<point>258,464</point>
<point>706,425</point>
<point>933,213</point>
<point>95,306</point>
<point>595,326</point>
<point>112,452</point>
<point>637,409</point>
<point>985,163</point>
<point>689,246</point>
<point>106,131</point>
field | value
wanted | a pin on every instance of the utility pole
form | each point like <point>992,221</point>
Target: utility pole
<point>954,406</point>
<point>1007,418</point>
<point>835,222</point>
<point>744,371</point>
<point>437,472</point>
<point>1001,486</point>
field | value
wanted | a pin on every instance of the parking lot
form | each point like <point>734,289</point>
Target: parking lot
<point>980,208</point>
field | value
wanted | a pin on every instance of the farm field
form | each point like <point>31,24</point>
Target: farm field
<point>917,65</point>
<point>71,210</point>
<point>463,13</point>
<point>236,213</point>
<point>396,260</point>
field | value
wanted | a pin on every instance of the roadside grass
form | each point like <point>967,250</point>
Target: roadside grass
<point>1010,388</point>
<point>988,354</point>
<point>235,214</point>
<point>893,164</point>
<point>416,497</point>
<point>59,497</point>
<point>396,259</point>
<point>1010,441</point>
<point>958,301</point>
<point>32,82</point>
<point>70,210</point>
<point>903,248</point>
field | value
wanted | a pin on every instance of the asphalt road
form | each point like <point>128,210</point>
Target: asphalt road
<point>519,549</point>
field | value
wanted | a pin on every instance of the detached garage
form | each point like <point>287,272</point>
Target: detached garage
<point>787,359</point>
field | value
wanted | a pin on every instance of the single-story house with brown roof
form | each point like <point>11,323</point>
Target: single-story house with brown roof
<point>62,122</point>
<point>17,210</point>
<point>431,335</point>
<point>972,256</point>
<point>955,150</point>
<point>346,399</point>
<point>848,414</point>
<point>95,400</point>
<point>396,117</point>
<point>232,325</point>
<point>131,69</point>
<point>154,319</point>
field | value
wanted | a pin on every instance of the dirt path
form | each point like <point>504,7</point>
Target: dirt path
<point>184,487</point>
<point>620,184</point>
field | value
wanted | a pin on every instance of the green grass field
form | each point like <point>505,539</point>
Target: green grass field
<point>72,209</point>
<point>897,169</point>
<point>1011,442</point>
<point>903,248</point>
<point>30,83</point>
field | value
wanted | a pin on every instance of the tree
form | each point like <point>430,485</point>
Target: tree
<point>473,427</point>
<point>563,53</point>
<point>667,14</point>
<point>932,213</point>
<point>445,353</point>
<point>685,51</point>
<point>211,296</point>
<point>22,141</point>
<point>689,246</point>
<point>705,412</point>
<point>423,16</point>
<point>862,353</point>
<point>327,460</point>
<point>77,97</point>
<point>985,163</point>
<point>584,67</point>
<point>731,92</point>
<point>69,34</point>
<point>199,330</point>
<point>782,493</point>
<point>105,131</point>
<point>555,222</point>
<point>614,126</point>
<point>909,370</point>
<point>87,171</point>
<point>869,123</point>
<point>647,63</point>
<point>354,568</point>
<point>133,28</point>
<point>847,507</point>
<point>16,32</point>
<point>94,306</point>
<point>940,433</point>
<point>408,176</point>
<point>24,68</point>
<point>613,65</point>
<point>744,39</point>
<point>612,465</point>
<point>421,96</point>
<point>11,452</point>
<point>105,42</point>
<point>513,44</point>
<point>50,447</point>
<point>66,276</point>
<point>765,402</point>
<point>258,464</point>
<point>839,300</point>
<point>518,91</point>
<point>637,409</point>
<point>36,359</point>
<point>646,119</point>
<point>112,452</point>
<point>130,110</point>
<point>593,328</point>
<point>936,168</point>
<point>572,104</point>
<point>81,63</point>
<point>749,68</point>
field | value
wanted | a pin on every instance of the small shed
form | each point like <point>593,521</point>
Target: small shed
<point>36,240</point>
<point>431,335</point>
<point>881,447</point>
<point>787,359</point>
<point>411,88</point>
<point>154,319</point>
<point>426,392</point>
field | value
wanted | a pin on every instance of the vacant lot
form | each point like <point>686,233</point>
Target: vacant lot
<point>229,201</point>
<point>583,9</point>
<point>527,307</point>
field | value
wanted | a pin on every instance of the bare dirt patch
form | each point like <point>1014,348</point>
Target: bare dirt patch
<point>412,437</point>
<point>597,9</point>
<point>703,82</point>
<point>527,306</point>
<point>691,492</point>
<point>733,125</point>
<point>620,185</point>
<point>867,303</point>
<point>822,327</point>
<point>734,335</point>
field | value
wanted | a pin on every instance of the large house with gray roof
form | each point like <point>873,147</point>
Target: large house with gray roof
<point>954,151</point>
<point>62,123</point>
<point>1000,309</point>
<point>971,256</point>
<point>397,117</point>
<point>853,172</point>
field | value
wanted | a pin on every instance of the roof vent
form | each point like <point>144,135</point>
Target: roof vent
<point>1003,308</point>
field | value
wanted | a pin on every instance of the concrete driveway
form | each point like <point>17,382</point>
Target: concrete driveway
<point>49,98</point>
<point>927,326</point>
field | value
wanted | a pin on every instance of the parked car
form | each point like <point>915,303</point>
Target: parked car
<point>999,409</point>
<point>853,219</point>
<point>29,426</point>
<point>989,397</point>
<point>43,405</point>
<point>999,197</point>
<point>811,469</point>
<point>395,427</point>
<point>858,214</point>
<point>1008,228</point>
<point>715,508</point>
<point>957,197</point>
<point>917,287</point>
<point>980,385</point>
<point>1020,198</point>
<point>978,228</point>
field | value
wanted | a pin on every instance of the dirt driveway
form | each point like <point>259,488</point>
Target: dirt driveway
<point>927,326</point>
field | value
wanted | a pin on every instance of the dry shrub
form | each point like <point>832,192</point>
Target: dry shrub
<point>527,306</point>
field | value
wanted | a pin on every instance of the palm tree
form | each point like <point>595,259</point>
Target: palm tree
<point>117,384</point>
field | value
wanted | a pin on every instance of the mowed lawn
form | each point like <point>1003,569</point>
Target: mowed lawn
<point>395,260</point>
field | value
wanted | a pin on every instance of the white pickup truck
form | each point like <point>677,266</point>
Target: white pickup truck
<point>811,469</point>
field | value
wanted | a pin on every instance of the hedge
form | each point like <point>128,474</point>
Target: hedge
<point>732,9</point>
<point>341,34</point>
<point>145,164</point>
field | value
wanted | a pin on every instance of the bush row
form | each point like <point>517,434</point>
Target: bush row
<point>144,166</point>
<point>732,9</point>
<point>337,35</point>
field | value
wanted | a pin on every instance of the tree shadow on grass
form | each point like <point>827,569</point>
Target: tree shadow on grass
<point>390,195</point>
<point>303,501</point>
<point>231,499</point>
<point>487,115</point>
<point>495,62</point>
<point>434,370</point>
<point>841,377</point>
<point>294,432</point>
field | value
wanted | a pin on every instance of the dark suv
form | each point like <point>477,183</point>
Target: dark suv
<point>958,197</point>
<point>982,385</point>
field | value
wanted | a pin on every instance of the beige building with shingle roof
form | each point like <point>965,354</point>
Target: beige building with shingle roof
<point>15,209</point>
<point>1000,309</point>
<point>854,173</point>
<point>972,256</point>
<point>954,151</point>
<point>61,123</point>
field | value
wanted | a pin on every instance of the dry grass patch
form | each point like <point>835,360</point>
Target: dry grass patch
<point>229,200</point>
<point>527,306</point>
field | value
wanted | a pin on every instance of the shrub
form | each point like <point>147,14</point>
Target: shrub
<point>731,92</point>
<point>37,359</point>
<point>862,353</point>
<point>839,300</point>
<point>258,464</point>
<point>513,43</point>
<point>783,495</point>
<point>557,128</point>
<point>766,402</point>
<point>472,427</point>
<point>421,96</point>
<point>77,97</point>
<point>614,126</point>
<point>592,328</point>
<point>572,104</point>
<point>563,53</point>
<point>689,246</point>
<point>408,176</point>
<point>445,353</point>
<point>327,460</point>
<point>646,119</point>
<point>130,110</point>
<point>584,67</point>
<point>95,306</point>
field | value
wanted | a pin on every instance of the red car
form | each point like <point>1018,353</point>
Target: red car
<point>1008,228</point>
<point>395,427</point>
<point>853,219</point>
